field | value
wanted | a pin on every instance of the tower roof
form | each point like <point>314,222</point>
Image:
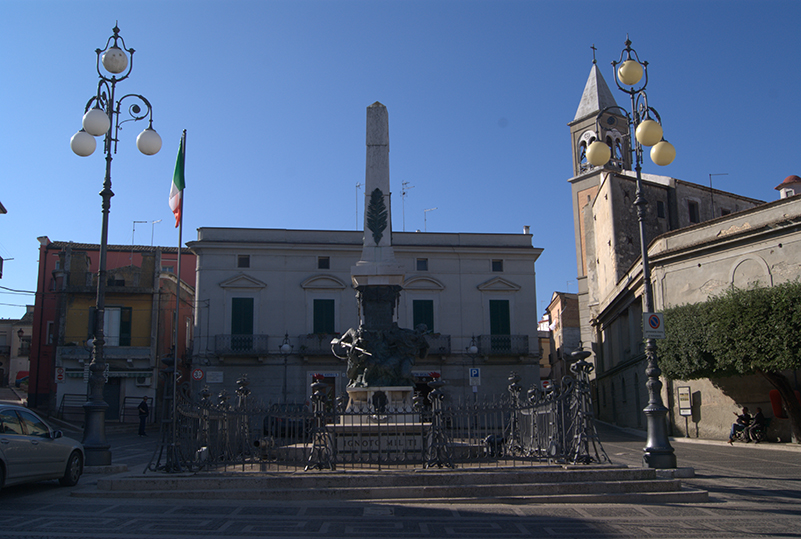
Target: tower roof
<point>596,96</point>
<point>788,181</point>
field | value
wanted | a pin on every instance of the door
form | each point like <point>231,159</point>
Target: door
<point>15,447</point>
<point>423,313</point>
<point>47,457</point>
<point>500,325</point>
<point>241,324</point>
<point>324,316</point>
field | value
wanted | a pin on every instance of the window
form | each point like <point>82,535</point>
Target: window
<point>660,209</point>
<point>24,346</point>
<point>692,208</point>
<point>423,313</point>
<point>497,265</point>
<point>324,311</point>
<point>51,338</point>
<point>422,264</point>
<point>9,423</point>
<point>724,212</point>
<point>168,269</point>
<point>116,325</point>
<point>242,261</point>
<point>34,425</point>
<point>323,262</point>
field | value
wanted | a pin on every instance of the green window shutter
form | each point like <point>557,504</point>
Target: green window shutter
<point>324,316</point>
<point>500,325</point>
<point>125,325</point>
<point>499,317</point>
<point>423,313</point>
<point>241,316</point>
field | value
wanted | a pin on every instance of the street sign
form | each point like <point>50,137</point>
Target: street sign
<point>197,375</point>
<point>685,401</point>
<point>653,326</point>
<point>475,376</point>
<point>60,375</point>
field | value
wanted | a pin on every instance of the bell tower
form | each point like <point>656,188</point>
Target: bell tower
<point>612,127</point>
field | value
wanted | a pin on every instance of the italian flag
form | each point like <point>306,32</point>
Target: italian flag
<point>177,188</point>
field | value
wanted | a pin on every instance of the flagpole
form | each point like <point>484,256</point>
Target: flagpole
<point>177,310</point>
<point>168,447</point>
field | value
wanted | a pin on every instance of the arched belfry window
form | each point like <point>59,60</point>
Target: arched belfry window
<point>587,138</point>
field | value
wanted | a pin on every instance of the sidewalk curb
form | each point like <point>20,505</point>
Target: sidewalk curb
<point>771,446</point>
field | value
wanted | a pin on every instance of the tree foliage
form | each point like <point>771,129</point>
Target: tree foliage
<point>737,332</point>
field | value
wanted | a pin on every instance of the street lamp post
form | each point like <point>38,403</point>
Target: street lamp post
<point>102,118</point>
<point>643,130</point>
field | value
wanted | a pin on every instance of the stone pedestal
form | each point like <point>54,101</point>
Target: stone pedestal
<point>368,406</point>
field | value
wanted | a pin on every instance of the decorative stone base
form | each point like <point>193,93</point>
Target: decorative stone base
<point>385,405</point>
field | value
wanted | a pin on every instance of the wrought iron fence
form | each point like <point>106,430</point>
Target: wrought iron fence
<point>514,429</point>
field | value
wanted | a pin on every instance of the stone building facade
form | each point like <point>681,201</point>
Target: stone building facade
<point>260,288</point>
<point>701,241</point>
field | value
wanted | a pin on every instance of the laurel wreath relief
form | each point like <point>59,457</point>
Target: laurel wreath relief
<point>377,215</point>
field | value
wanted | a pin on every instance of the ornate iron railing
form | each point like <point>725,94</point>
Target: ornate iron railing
<point>438,344</point>
<point>243,345</point>
<point>515,429</point>
<point>503,345</point>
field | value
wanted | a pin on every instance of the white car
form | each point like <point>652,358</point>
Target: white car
<point>32,451</point>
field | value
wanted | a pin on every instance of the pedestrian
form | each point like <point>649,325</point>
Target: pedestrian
<point>757,424</point>
<point>743,420</point>
<point>143,413</point>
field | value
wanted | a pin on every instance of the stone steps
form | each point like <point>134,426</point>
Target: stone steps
<point>602,484</point>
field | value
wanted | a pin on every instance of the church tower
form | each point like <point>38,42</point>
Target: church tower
<point>588,183</point>
<point>612,127</point>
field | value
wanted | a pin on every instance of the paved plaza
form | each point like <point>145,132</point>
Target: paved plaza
<point>755,491</point>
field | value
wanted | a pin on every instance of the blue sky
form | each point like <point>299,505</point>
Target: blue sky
<point>273,97</point>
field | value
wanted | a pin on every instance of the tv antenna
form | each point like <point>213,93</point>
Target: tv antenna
<point>133,234</point>
<point>425,218</point>
<point>711,194</point>
<point>153,230</point>
<point>404,193</point>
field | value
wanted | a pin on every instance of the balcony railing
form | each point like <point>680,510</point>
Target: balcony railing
<point>241,345</point>
<point>438,344</point>
<point>503,345</point>
<point>315,344</point>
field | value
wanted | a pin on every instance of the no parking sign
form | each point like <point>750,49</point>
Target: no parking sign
<point>653,326</point>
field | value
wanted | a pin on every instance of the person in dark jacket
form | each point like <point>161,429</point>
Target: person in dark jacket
<point>757,423</point>
<point>743,420</point>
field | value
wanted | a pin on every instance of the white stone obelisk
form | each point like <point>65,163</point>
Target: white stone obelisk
<point>377,266</point>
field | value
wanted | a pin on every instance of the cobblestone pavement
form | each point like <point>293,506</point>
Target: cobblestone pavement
<point>754,492</point>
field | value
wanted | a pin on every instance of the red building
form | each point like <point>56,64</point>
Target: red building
<point>139,323</point>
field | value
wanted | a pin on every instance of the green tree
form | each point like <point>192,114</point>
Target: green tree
<point>738,332</point>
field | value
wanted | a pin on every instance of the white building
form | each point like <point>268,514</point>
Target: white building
<point>257,286</point>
